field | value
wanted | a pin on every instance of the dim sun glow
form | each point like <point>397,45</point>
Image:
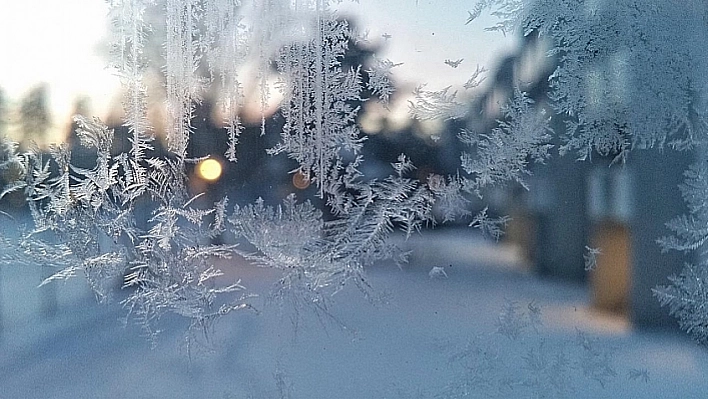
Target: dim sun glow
<point>300,180</point>
<point>209,169</point>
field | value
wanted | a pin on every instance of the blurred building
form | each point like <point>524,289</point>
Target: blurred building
<point>574,206</point>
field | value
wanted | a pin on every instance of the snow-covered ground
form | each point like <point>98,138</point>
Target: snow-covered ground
<point>423,338</point>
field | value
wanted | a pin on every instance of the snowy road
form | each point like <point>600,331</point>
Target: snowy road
<point>430,338</point>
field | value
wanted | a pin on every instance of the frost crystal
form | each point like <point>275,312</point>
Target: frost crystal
<point>625,79</point>
<point>527,364</point>
<point>437,272</point>
<point>319,110</point>
<point>380,82</point>
<point>440,104</point>
<point>503,154</point>
<point>128,218</point>
<point>591,258</point>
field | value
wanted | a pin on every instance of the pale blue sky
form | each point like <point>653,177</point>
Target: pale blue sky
<point>57,43</point>
<point>424,33</point>
<point>61,43</point>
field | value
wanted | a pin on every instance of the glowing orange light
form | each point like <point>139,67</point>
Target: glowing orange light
<point>209,169</point>
<point>300,180</point>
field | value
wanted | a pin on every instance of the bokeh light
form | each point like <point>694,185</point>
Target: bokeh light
<point>209,169</point>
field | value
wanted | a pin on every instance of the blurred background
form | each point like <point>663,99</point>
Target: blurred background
<point>55,67</point>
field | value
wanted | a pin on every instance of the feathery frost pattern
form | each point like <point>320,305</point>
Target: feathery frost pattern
<point>617,79</point>
<point>503,155</point>
<point>627,79</point>
<point>127,219</point>
<point>380,82</point>
<point>527,365</point>
<point>318,111</point>
<point>687,294</point>
<point>129,60</point>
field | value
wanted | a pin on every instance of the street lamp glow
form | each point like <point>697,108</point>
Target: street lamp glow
<point>209,169</point>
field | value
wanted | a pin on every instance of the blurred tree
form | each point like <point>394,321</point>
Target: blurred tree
<point>34,118</point>
<point>3,112</point>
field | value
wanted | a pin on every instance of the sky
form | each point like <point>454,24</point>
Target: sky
<point>63,44</point>
<point>424,33</point>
